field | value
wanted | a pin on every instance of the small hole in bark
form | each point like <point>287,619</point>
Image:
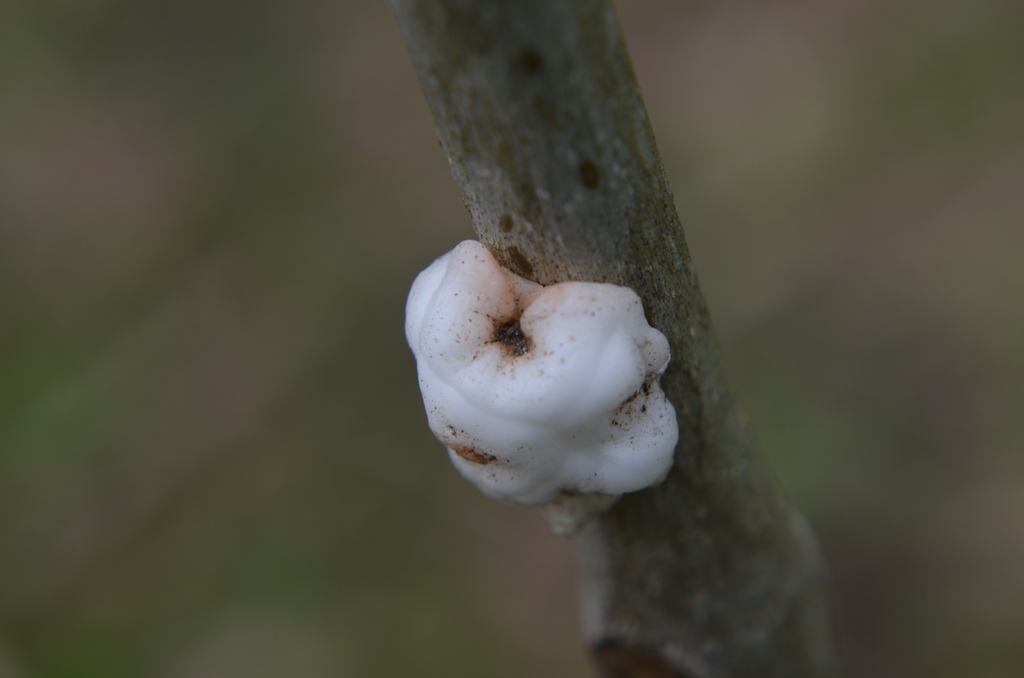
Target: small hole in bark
<point>505,223</point>
<point>532,61</point>
<point>589,174</point>
<point>518,263</point>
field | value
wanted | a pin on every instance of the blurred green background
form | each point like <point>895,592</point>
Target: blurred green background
<point>213,457</point>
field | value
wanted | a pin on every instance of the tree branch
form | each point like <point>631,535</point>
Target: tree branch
<point>711,573</point>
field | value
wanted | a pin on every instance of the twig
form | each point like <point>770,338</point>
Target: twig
<point>711,573</point>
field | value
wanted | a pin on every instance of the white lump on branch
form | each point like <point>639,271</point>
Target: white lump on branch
<point>539,393</point>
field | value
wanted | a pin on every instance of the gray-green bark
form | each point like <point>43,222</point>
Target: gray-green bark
<point>710,573</point>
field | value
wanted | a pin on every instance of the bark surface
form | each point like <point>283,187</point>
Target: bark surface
<point>710,574</point>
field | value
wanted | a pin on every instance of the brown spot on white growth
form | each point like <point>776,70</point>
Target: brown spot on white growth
<point>469,454</point>
<point>511,335</point>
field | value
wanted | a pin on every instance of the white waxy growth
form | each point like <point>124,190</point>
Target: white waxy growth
<point>539,391</point>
